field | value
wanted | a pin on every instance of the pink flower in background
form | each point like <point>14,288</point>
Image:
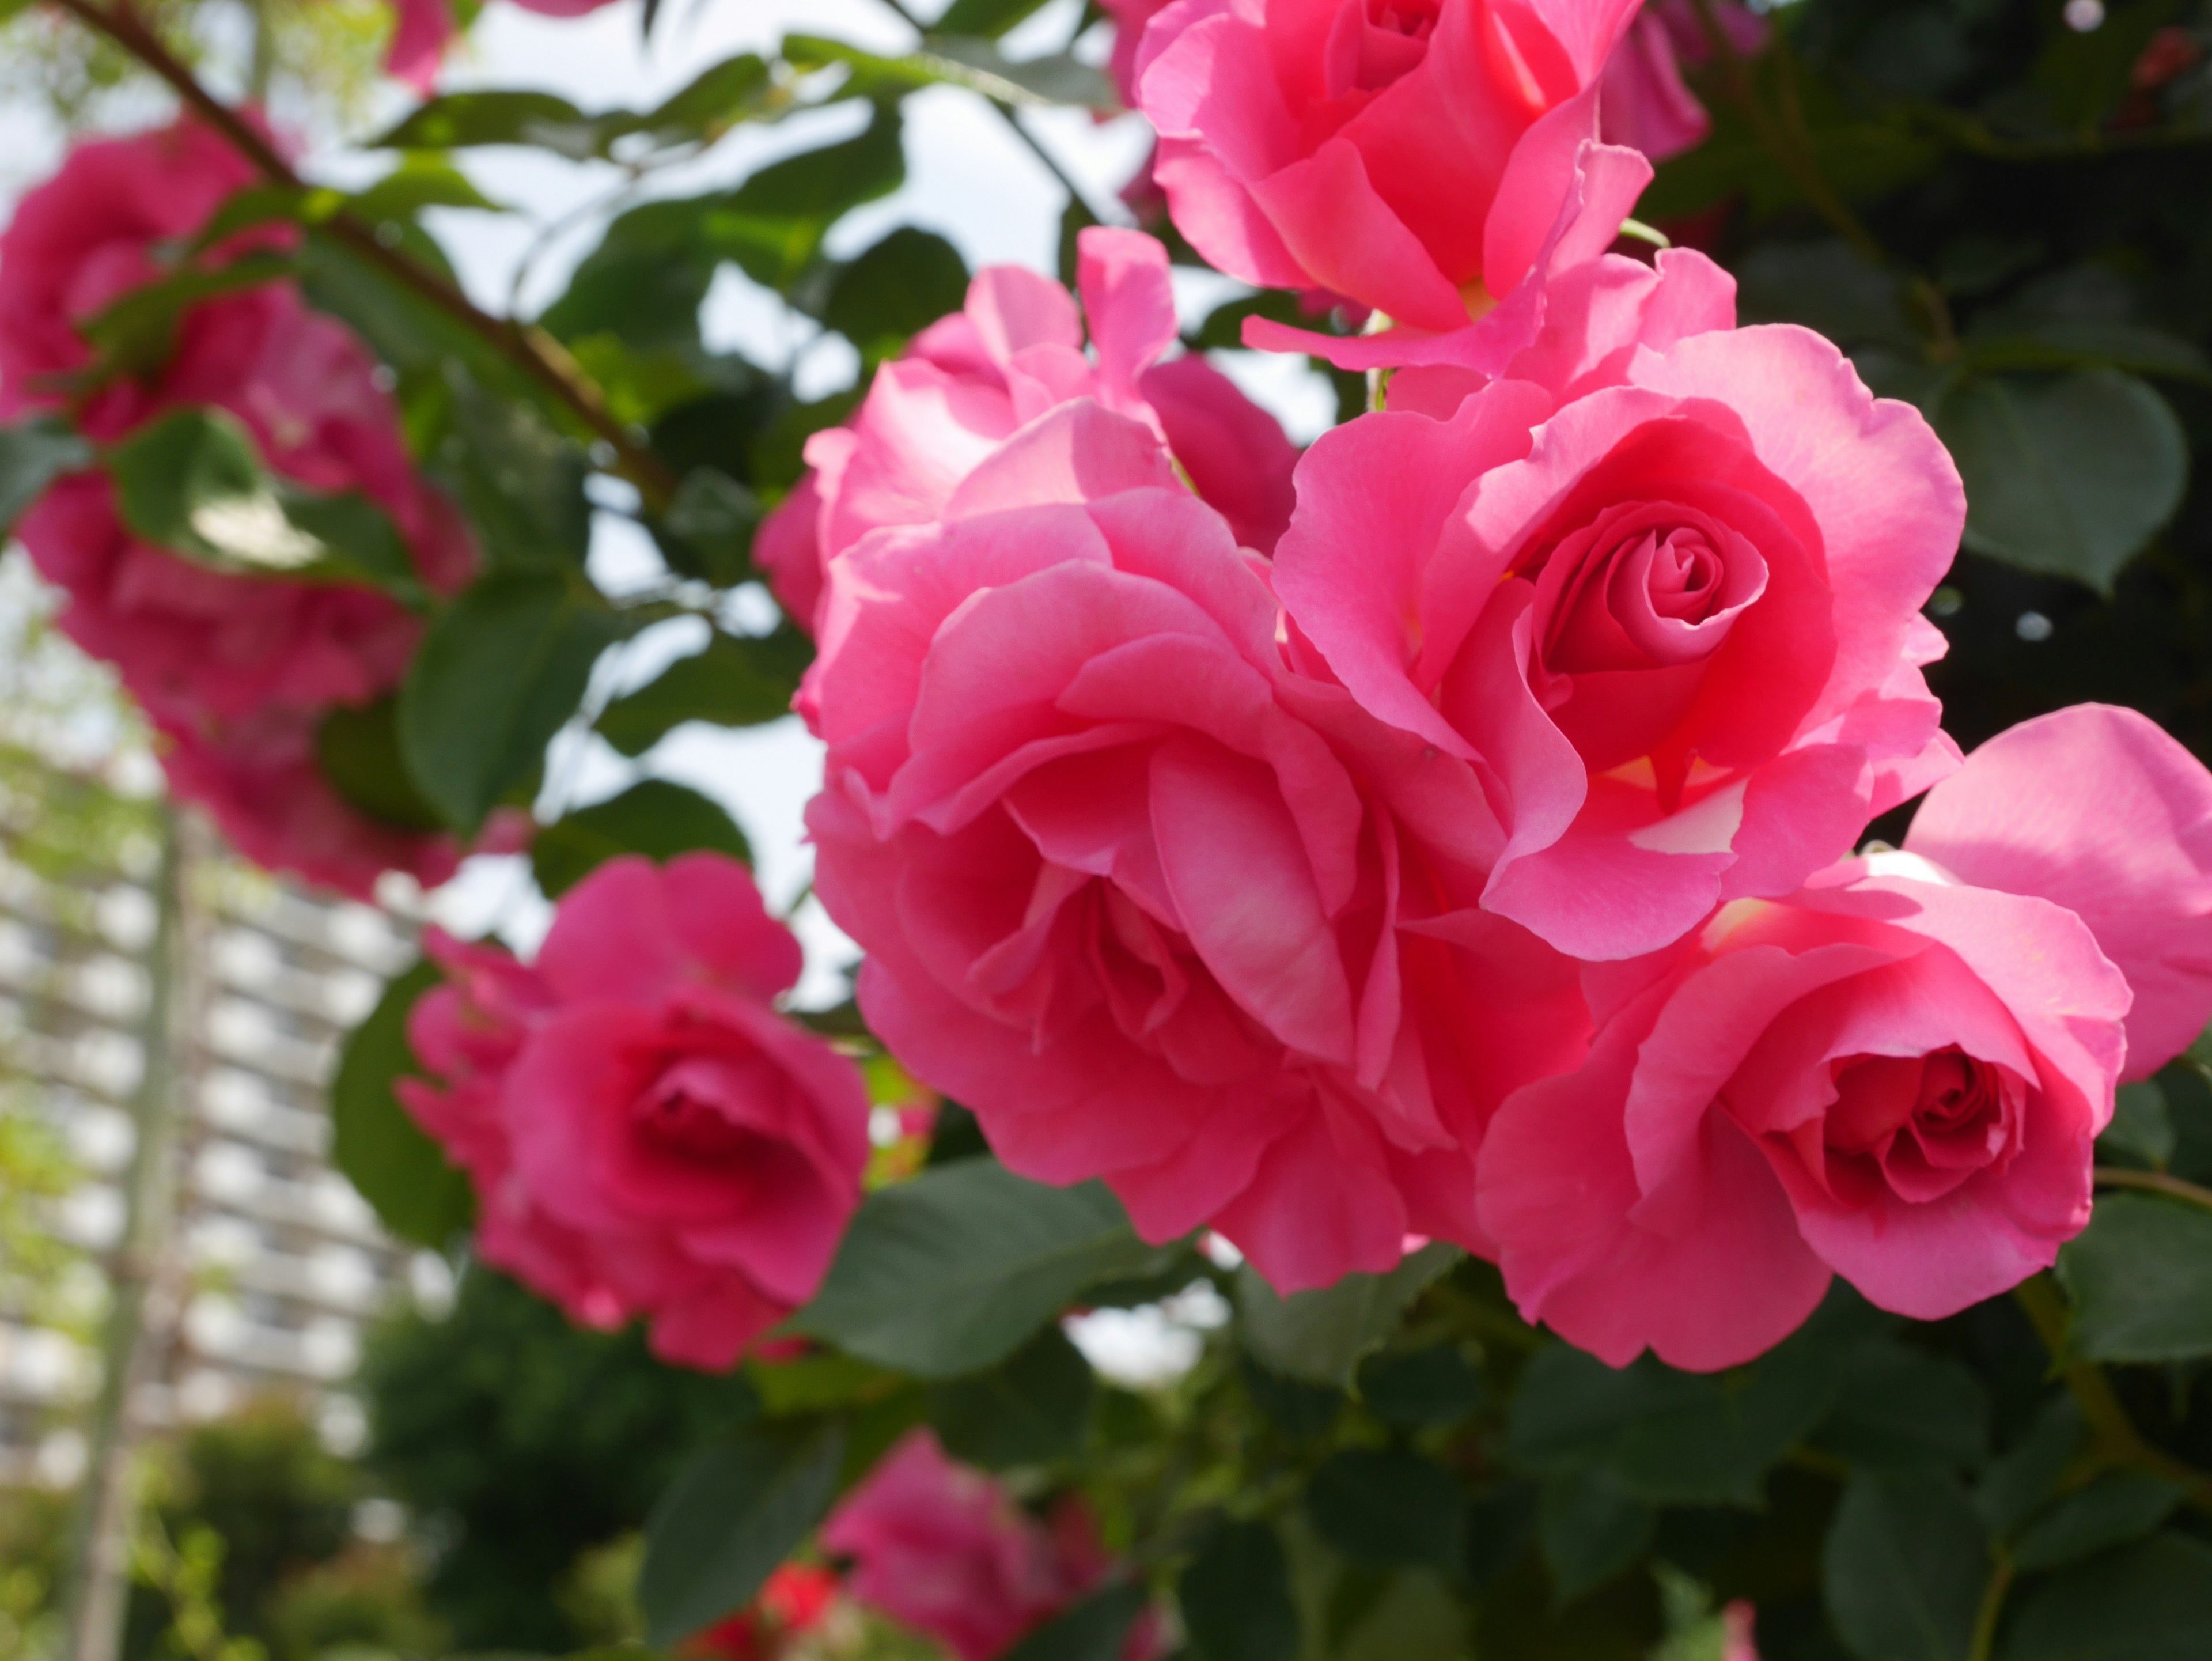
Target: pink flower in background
<point>1891,1076</point>
<point>426,28</point>
<point>1675,619</point>
<point>944,1550</point>
<point>1399,153</point>
<point>1130,18</point>
<point>2099,811</point>
<point>645,1134</point>
<point>969,381</point>
<point>1155,908</point>
<point>237,671</point>
<point>1645,103</point>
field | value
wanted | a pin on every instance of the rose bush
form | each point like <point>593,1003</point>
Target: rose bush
<point>645,1134</point>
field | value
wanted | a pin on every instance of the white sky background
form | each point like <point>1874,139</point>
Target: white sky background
<point>967,178</point>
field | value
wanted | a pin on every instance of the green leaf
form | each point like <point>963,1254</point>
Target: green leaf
<point>954,1270</point>
<point>2152,1602</point>
<point>2140,1279</point>
<point>357,751</point>
<point>138,331</point>
<point>713,520</point>
<point>2016,1484</point>
<point>1029,1410</point>
<point>1388,1507</point>
<point>986,18</point>
<point>32,455</point>
<point>737,681</point>
<point>1902,1407</point>
<point>1904,1567</point>
<point>461,120</point>
<point>735,91</point>
<point>736,1511</point>
<point>653,817</point>
<point>1236,1598</point>
<point>2119,1506</point>
<point>418,182</point>
<point>773,224</point>
<point>1437,1387</point>
<point>2067,476</point>
<point>2088,344</point>
<point>1322,1336</point>
<point>193,483</point>
<point>375,1144</point>
<point>497,674</point>
<point>894,290</point>
<point>959,61</point>
<point>1589,1529</point>
<point>2141,1129</point>
<point>522,483</point>
<point>1094,1630</point>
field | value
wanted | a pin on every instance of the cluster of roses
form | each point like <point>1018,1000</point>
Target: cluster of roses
<point>237,674</point>
<point>1472,858</point>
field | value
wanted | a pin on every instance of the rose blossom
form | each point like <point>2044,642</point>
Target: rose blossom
<point>1890,1075</point>
<point>1645,104</point>
<point>969,381</point>
<point>1667,601</point>
<point>944,1549</point>
<point>646,1135</point>
<point>1155,908</point>
<point>238,673</point>
<point>1413,157</point>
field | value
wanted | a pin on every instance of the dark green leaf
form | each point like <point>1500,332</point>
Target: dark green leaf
<point>2119,1506</point>
<point>1427,1387</point>
<point>645,282</point>
<point>2067,476</point>
<point>2140,1278</point>
<point>1905,1565</point>
<point>773,224</point>
<point>2088,344</point>
<point>418,182</point>
<point>653,817</point>
<point>1498,1524</point>
<point>1303,1411</point>
<point>736,1511</point>
<point>382,1152</point>
<point>1094,1630</point>
<point>1236,1598</point>
<point>522,481</point>
<point>737,681</point>
<point>954,1270</point>
<point>1828,286</point>
<point>357,751</point>
<point>712,520</point>
<point>986,18</point>
<point>1029,1410</point>
<point>2016,1485</point>
<point>2141,1129</point>
<point>497,674</point>
<point>32,457</point>
<point>193,483</point>
<point>1322,1336</point>
<point>959,61</point>
<point>1589,1529</point>
<point>896,290</point>
<point>1901,1408</point>
<point>2150,1603</point>
<point>1390,1508</point>
<point>736,89</point>
<point>462,119</point>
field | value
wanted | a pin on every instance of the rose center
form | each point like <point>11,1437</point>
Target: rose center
<point>1415,19</point>
<point>682,1113</point>
<point>1373,43</point>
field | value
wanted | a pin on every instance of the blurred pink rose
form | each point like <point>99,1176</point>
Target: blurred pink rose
<point>1154,907</point>
<point>426,28</point>
<point>1415,157</point>
<point>944,1550</point>
<point>969,381</point>
<point>1892,1079</point>
<point>237,671</point>
<point>1645,104</point>
<point>1130,18</point>
<point>645,1134</point>
<point>1890,1075</point>
<point>1672,614</point>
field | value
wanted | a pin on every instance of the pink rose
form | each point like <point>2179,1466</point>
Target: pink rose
<point>646,1135</point>
<point>1645,104</point>
<point>2100,811</point>
<point>944,1549</point>
<point>1130,18</point>
<point>1890,1075</point>
<point>424,29</point>
<point>1671,613</point>
<point>969,381</point>
<point>1414,156</point>
<point>1155,908</point>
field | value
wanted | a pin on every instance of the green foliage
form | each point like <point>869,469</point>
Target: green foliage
<point>1094,1630</point>
<point>2140,1278</point>
<point>1031,1409</point>
<point>32,455</point>
<point>951,1272</point>
<point>738,680</point>
<point>740,1507</point>
<point>1322,1336</point>
<point>519,1442</point>
<point>357,752</point>
<point>384,1153</point>
<point>1236,1597</point>
<point>653,817</point>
